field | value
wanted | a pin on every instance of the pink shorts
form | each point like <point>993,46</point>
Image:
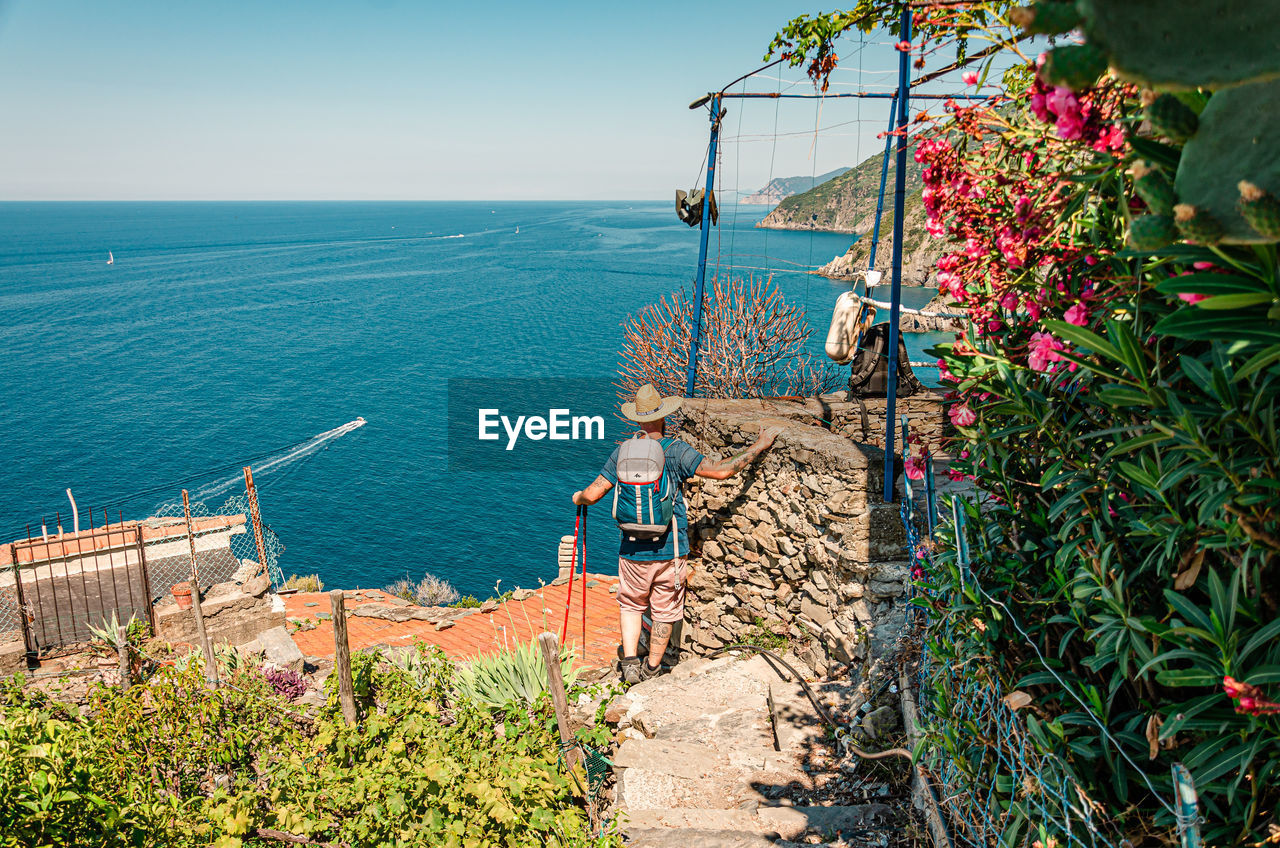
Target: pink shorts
<point>656,586</point>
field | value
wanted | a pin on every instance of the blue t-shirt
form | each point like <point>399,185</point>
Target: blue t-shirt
<point>681,463</point>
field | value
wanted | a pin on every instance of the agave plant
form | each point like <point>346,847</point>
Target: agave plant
<point>109,632</point>
<point>517,674</point>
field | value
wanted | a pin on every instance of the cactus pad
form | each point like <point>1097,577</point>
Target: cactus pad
<point>1152,232</point>
<point>1048,17</point>
<point>1075,66</point>
<point>1261,209</point>
<point>1186,44</point>
<point>1154,188</point>
<point>1197,225</point>
<point>1236,140</point>
<point>1171,118</point>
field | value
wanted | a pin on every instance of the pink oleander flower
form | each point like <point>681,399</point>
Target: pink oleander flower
<point>1009,301</point>
<point>1192,297</point>
<point>1249,698</point>
<point>1012,247</point>
<point>1044,352</point>
<point>903,46</point>
<point>1078,315</point>
<point>1070,126</point>
<point>914,466</point>
<point>1022,209</point>
<point>1040,108</point>
<point>974,249</point>
<point>935,227</point>
<point>1110,140</point>
<point>943,373</point>
<point>961,415</point>
<point>970,77</point>
<point>1061,101</point>
<point>1203,266</point>
<point>1033,309</point>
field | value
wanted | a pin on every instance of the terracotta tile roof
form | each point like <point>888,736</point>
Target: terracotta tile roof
<point>478,633</point>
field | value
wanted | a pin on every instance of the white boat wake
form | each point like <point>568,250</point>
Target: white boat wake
<point>287,457</point>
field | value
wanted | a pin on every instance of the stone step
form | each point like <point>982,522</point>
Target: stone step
<point>770,822</point>
<point>698,838</point>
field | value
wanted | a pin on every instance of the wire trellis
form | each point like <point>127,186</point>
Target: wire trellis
<point>967,701</point>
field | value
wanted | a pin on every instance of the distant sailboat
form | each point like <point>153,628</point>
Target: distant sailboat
<point>517,231</point>
<point>111,259</point>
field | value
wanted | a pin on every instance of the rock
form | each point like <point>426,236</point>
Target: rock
<point>522,594</point>
<point>712,550</point>
<point>255,587</point>
<point>489,605</point>
<point>617,709</point>
<point>817,613</point>
<point>279,649</point>
<point>819,580</point>
<point>881,722</point>
<point>444,625</point>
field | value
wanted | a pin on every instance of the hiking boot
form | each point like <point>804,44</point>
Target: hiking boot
<point>631,669</point>
<point>648,672</point>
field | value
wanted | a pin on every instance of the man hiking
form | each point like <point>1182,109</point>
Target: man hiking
<point>648,505</point>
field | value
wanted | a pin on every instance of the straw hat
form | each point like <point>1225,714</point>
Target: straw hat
<point>649,405</point>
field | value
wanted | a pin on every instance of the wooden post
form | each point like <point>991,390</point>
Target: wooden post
<point>256,518</point>
<point>210,663</point>
<point>555,685</point>
<point>122,646</point>
<point>342,656</point>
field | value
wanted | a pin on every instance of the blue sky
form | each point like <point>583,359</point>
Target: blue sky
<point>391,99</point>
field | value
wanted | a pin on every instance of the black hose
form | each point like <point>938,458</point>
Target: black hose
<point>822,711</point>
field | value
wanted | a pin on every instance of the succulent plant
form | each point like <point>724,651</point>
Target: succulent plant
<point>1184,45</point>
<point>1075,66</point>
<point>1154,188</point>
<point>1260,208</point>
<point>1235,142</point>
<point>1152,232</point>
<point>1170,117</point>
<point>1050,17</point>
<point>1197,225</point>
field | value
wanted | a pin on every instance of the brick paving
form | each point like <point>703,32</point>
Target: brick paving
<point>478,633</point>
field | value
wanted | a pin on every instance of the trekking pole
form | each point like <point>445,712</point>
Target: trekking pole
<point>583,509</point>
<point>573,562</point>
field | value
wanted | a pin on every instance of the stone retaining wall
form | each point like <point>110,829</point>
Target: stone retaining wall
<point>799,543</point>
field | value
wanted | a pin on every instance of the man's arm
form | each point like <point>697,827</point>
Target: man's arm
<point>724,470</point>
<point>592,493</point>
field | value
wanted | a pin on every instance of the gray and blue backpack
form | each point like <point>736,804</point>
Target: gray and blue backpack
<point>644,501</point>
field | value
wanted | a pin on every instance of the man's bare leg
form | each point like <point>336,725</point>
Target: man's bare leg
<point>629,620</point>
<point>659,636</point>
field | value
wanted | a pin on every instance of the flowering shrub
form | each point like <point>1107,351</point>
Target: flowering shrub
<point>1127,459</point>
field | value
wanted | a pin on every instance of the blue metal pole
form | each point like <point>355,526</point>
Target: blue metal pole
<point>895,299</point>
<point>884,175</point>
<point>699,283</point>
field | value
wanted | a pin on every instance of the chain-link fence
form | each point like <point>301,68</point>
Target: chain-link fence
<point>225,544</point>
<point>54,588</point>
<point>980,751</point>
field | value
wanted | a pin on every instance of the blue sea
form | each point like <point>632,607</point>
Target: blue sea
<point>223,333</point>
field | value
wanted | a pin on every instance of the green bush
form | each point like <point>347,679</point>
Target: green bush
<point>173,763</point>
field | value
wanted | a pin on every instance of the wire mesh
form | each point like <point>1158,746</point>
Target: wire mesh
<point>224,544</point>
<point>981,752</point>
<point>10,608</point>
